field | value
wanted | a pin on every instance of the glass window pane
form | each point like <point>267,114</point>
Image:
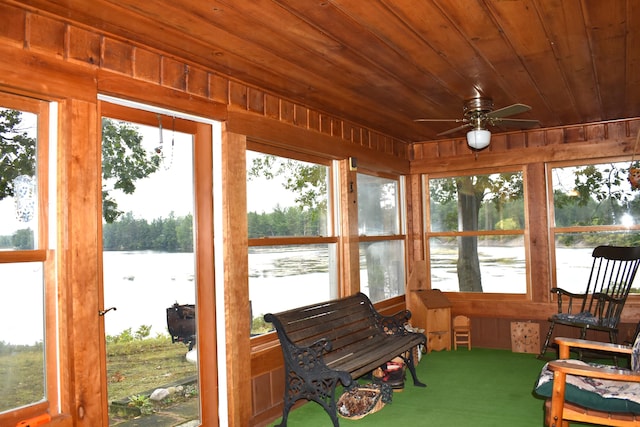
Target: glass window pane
<point>382,269</point>
<point>22,370</point>
<point>18,180</point>
<point>149,270</point>
<point>377,206</point>
<point>574,260</point>
<point>286,197</point>
<point>477,202</point>
<point>592,195</point>
<point>286,277</point>
<point>499,261</point>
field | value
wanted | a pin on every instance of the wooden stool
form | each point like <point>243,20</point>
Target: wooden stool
<point>461,331</point>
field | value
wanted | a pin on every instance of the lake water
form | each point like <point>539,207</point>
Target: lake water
<point>142,285</point>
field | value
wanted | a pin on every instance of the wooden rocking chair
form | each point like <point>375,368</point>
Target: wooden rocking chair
<point>589,393</point>
<point>600,306</point>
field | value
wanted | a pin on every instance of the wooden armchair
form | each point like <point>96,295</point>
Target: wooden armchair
<point>590,393</point>
<point>600,306</point>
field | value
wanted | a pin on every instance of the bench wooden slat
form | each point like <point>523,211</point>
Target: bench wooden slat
<point>331,327</point>
<point>340,314</point>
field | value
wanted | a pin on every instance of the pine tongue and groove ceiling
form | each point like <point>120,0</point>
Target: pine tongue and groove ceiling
<point>385,63</point>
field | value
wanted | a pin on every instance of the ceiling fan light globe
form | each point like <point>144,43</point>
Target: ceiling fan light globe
<point>478,138</point>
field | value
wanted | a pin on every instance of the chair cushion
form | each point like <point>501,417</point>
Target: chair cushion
<point>586,318</point>
<point>635,355</point>
<point>595,393</point>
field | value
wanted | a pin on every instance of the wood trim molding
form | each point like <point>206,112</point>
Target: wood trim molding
<point>594,140</point>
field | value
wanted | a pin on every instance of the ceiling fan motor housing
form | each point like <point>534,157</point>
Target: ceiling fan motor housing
<point>475,109</point>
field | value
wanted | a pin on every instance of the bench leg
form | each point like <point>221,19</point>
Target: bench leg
<point>317,388</point>
<point>412,368</point>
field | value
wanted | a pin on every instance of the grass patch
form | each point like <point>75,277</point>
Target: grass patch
<point>133,367</point>
<point>137,366</point>
<point>21,375</point>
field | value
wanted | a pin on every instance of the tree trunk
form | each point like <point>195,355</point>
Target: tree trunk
<point>469,199</point>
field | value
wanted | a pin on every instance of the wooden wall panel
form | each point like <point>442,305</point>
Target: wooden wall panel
<point>13,28</point>
<point>147,66</point>
<point>487,332</point>
<point>117,56</point>
<point>174,73</point>
<point>256,100</point>
<point>83,46</point>
<point>46,35</point>
<point>197,81</point>
<point>219,89</point>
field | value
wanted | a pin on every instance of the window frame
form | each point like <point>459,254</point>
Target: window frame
<point>554,230</point>
<point>42,253</point>
<point>203,249</point>
<point>332,216</point>
<point>401,206</point>
<point>524,231</point>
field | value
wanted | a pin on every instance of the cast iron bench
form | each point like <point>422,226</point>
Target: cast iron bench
<point>338,341</point>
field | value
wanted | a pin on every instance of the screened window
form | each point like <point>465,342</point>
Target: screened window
<point>27,339</point>
<point>475,233</point>
<point>382,261</point>
<point>593,204</point>
<point>292,245</point>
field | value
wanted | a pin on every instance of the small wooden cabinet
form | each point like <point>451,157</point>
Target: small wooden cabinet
<point>431,311</point>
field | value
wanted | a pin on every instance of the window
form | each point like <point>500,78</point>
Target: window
<point>149,254</point>
<point>292,245</point>
<point>475,233</point>
<point>28,368</point>
<point>593,204</point>
<point>382,263</point>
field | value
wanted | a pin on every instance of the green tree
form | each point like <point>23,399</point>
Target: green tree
<point>307,181</point>
<point>471,193</point>
<point>17,151</point>
<point>124,161</point>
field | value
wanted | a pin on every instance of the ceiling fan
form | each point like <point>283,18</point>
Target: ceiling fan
<point>479,113</point>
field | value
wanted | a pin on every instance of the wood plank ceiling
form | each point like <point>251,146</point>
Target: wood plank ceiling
<point>384,63</point>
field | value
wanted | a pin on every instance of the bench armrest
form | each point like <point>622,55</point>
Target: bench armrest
<point>306,361</point>
<point>394,324</point>
<point>565,344</point>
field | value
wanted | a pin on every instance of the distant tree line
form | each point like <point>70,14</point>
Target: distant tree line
<point>290,221</point>
<point>172,234</point>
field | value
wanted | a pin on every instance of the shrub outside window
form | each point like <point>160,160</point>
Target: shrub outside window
<point>593,204</point>
<point>475,233</point>
<point>292,245</point>
<point>382,260</point>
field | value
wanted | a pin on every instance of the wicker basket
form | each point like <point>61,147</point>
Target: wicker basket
<point>363,400</point>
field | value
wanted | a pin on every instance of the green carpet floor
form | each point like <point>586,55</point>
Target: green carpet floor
<point>477,388</point>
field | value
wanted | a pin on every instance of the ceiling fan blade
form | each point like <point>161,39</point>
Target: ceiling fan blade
<point>450,131</point>
<point>439,120</point>
<point>510,110</point>
<point>515,123</point>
